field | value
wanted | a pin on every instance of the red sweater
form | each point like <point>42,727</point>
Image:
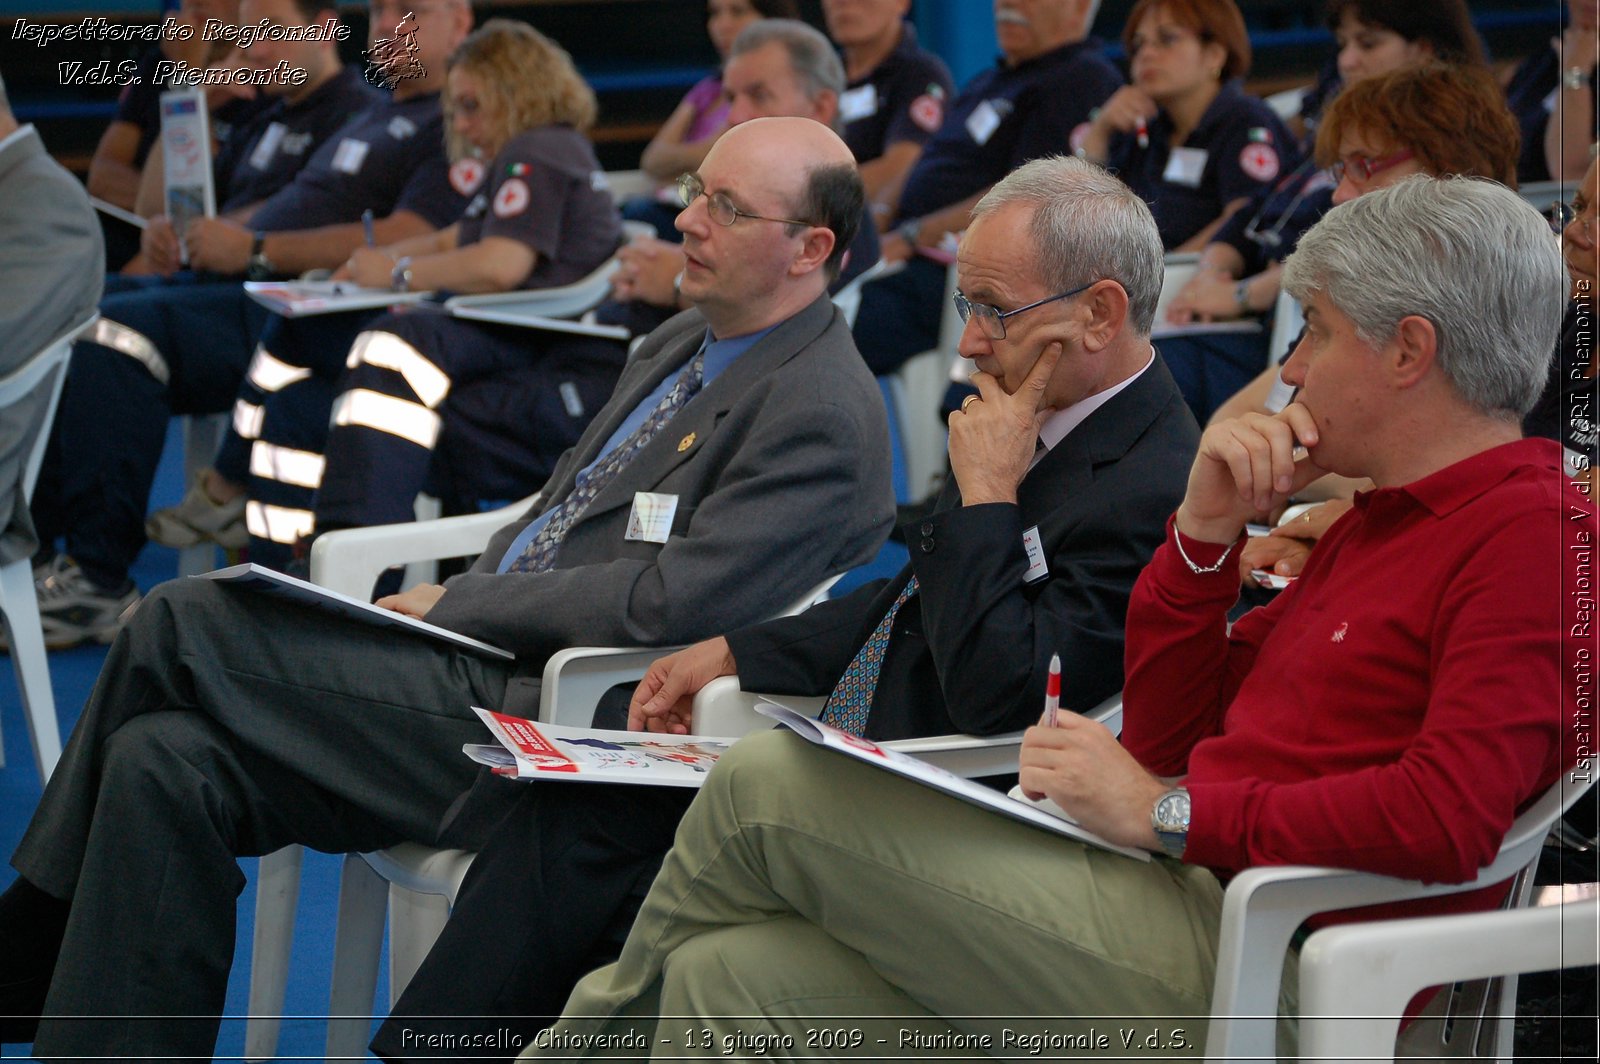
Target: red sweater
<point>1396,707</point>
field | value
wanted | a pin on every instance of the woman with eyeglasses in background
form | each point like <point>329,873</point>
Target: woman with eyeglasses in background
<point>1435,119</point>
<point>1239,269</point>
<point>1184,135</point>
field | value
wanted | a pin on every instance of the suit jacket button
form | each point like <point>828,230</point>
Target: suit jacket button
<point>927,528</point>
<point>927,546</point>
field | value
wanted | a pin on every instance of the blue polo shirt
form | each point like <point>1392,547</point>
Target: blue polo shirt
<point>1007,116</point>
<point>720,354</point>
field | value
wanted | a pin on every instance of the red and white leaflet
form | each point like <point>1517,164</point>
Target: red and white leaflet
<point>530,750</point>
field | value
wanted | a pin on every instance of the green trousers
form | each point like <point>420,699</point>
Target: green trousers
<point>814,906</point>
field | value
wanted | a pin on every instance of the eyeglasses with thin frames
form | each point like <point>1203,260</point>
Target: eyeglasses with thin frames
<point>1364,167</point>
<point>719,206</point>
<point>992,320</point>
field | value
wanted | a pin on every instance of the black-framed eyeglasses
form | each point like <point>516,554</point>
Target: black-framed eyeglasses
<point>719,206</point>
<point>992,320</point>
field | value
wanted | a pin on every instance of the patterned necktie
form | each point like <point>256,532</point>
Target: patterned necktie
<point>847,706</point>
<point>540,555</point>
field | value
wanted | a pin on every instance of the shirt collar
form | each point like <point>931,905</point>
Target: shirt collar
<point>1057,425</point>
<point>16,135</point>
<point>1455,485</point>
<point>720,354</point>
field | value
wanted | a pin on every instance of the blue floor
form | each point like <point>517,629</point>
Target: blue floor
<point>72,675</point>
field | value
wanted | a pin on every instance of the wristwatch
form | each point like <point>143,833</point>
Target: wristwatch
<point>1574,77</point>
<point>1170,821</point>
<point>260,267</point>
<point>400,276</point>
<point>910,230</point>
<point>1241,295</point>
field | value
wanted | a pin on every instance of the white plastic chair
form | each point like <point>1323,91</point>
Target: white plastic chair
<point>917,388</point>
<point>202,435</point>
<point>1263,907</point>
<point>1356,979</point>
<point>19,604</point>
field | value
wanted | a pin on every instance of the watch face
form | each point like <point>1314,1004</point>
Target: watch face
<point>1172,812</point>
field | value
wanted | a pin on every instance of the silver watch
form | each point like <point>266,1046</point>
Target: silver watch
<point>1170,821</point>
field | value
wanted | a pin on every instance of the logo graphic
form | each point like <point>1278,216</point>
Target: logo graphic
<point>1260,161</point>
<point>392,60</point>
<point>1338,633</point>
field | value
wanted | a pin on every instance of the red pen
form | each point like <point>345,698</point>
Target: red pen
<point>1142,131</point>
<point>1052,692</point>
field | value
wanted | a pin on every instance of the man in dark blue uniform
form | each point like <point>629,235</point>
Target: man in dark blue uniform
<point>894,97</point>
<point>184,349</point>
<point>1048,78</point>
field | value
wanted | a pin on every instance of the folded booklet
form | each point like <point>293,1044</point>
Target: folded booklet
<point>1045,813</point>
<point>304,299</point>
<point>255,578</point>
<point>529,750</point>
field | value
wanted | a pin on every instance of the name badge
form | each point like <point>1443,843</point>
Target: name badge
<point>349,156</point>
<point>1185,166</point>
<point>267,146</point>
<point>858,103</point>
<point>982,122</point>
<point>1038,567</point>
<point>651,519</point>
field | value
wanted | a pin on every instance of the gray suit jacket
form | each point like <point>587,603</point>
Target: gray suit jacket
<point>781,469</point>
<point>52,265</point>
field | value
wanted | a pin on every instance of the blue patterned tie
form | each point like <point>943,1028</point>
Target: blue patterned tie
<point>540,555</point>
<point>851,699</point>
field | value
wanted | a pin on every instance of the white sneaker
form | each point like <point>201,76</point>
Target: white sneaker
<point>198,518</point>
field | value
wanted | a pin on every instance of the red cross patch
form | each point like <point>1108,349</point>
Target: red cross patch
<point>1259,161</point>
<point>927,112</point>
<point>466,175</point>
<point>512,199</point>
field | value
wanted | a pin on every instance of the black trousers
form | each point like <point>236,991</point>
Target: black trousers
<point>550,898</point>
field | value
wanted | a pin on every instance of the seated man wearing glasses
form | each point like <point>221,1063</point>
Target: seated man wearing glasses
<point>228,723</point>
<point>1064,468</point>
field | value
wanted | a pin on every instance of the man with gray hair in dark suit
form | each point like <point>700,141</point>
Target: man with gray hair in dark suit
<point>228,724</point>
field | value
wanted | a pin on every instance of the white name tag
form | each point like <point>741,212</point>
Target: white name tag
<point>1038,567</point>
<point>858,103</point>
<point>267,146</point>
<point>349,156</point>
<point>651,519</point>
<point>982,122</point>
<point>1185,166</point>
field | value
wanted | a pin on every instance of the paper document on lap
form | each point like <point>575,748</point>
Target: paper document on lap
<point>913,768</point>
<point>529,750</point>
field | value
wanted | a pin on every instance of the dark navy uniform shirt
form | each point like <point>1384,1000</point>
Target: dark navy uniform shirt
<point>387,159</point>
<point>1239,147</point>
<point>901,99</point>
<point>1267,228</point>
<point>1005,117</point>
<point>546,190</point>
<point>263,156</point>
<point>1533,94</point>
<point>139,104</point>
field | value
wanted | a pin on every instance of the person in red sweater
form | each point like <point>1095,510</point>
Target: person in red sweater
<point>1391,712</point>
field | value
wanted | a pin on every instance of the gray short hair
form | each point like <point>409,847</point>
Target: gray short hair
<point>1467,254</point>
<point>1087,226</point>
<point>811,55</point>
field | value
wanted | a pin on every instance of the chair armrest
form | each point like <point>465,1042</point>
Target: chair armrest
<point>722,708</point>
<point>351,560</point>
<point>566,301</point>
<point>576,678</point>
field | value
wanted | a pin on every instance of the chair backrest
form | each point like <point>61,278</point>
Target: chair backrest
<point>848,298</point>
<point>50,363</point>
<point>1264,906</point>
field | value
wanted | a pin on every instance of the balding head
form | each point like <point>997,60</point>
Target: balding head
<point>799,200</point>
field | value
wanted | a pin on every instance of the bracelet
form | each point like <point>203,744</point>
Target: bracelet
<point>1574,77</point>
<point>1198,570</point>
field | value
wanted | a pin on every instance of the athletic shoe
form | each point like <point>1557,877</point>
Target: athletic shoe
<point>73,609</point>
<point>199,518</point>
